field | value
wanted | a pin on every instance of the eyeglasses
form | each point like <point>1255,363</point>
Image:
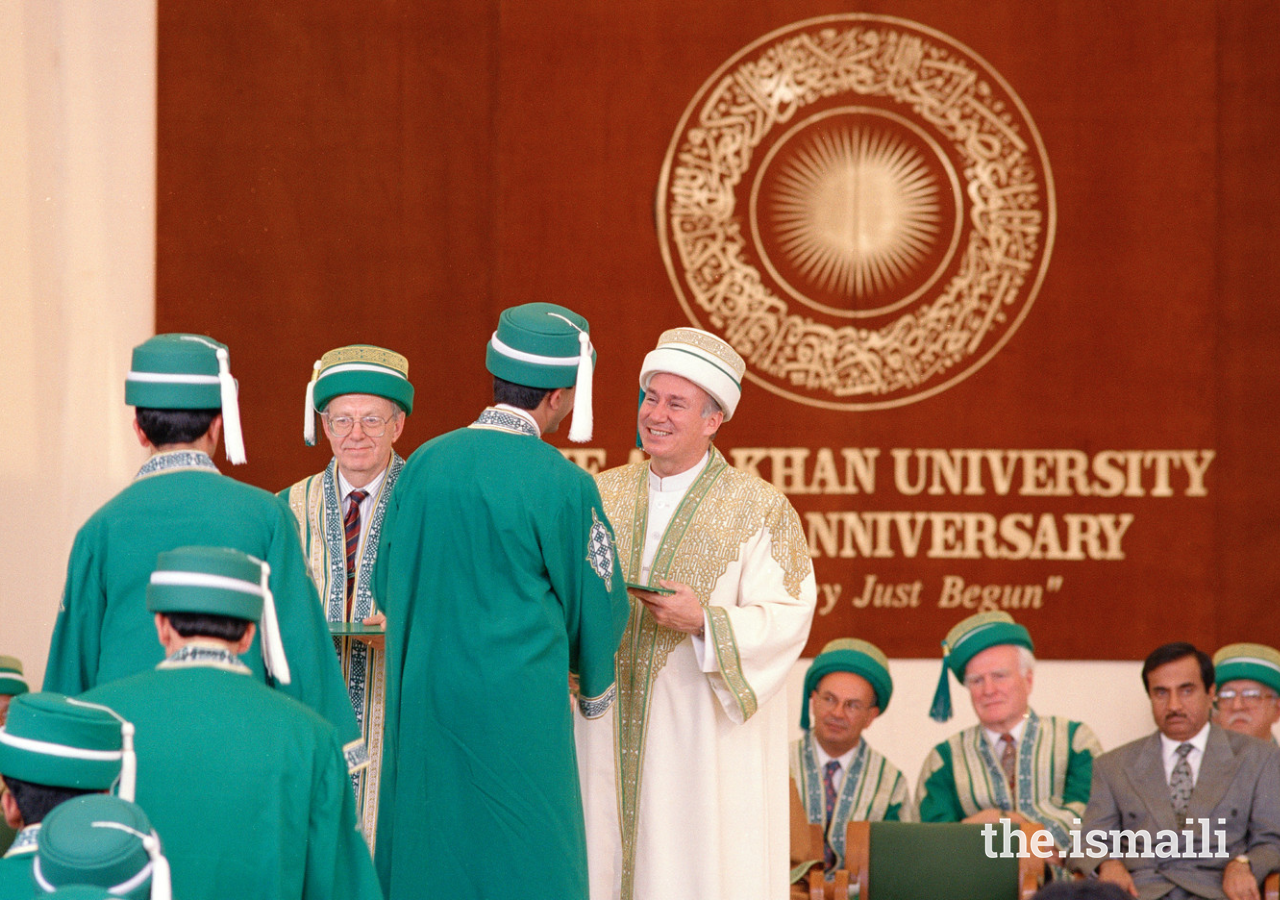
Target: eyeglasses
<point>999,677</point>
<point>1248,697</point>
<point>827,701</point>
<point>373,426</point>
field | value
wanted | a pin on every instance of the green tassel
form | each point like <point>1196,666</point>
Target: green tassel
<point>639,444</point>
<point>940,710</point>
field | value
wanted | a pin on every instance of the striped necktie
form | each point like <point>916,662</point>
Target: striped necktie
<point>829,789</point>
<point>1009,759</point>
<point>351,525</point>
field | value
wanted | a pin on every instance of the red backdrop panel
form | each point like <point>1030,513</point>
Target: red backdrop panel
<point>399,173</point>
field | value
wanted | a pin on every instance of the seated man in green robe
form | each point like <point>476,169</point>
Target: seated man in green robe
<point>248,787</point>
<point>836,775</point>
<point>53,749</point>
<point>1013,764</point>
<point>182,388</point>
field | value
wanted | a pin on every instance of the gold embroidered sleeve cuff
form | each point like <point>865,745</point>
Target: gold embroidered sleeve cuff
<point>729,662</point>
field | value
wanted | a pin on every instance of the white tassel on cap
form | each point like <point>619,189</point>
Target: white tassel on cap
<point>161,874</point>
<point>272,647</point>
<point>161,878</point>
<point>128,759</point>
<point>128,763</point>
<point>230,410</point>
<point>309,423</point>
<point>583,421</point>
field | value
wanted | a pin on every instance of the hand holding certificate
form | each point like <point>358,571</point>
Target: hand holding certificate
<point>371,631</point>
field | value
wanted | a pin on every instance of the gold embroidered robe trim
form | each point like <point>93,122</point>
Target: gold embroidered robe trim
<point>696,551</point>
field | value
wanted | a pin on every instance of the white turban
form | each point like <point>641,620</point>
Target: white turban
<point>706,360</point>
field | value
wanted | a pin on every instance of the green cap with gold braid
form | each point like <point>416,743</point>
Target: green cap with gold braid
<point>965,641</point>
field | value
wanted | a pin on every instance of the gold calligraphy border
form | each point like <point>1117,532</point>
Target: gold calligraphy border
<point>925,70</point>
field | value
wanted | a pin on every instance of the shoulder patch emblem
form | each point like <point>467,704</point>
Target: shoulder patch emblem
<point>600,550</point>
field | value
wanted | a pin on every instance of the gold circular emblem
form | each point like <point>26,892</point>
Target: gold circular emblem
<point>861,206</point>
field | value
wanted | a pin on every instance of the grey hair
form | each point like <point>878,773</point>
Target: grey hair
<point>1026,660</point>
<point>711,406</point>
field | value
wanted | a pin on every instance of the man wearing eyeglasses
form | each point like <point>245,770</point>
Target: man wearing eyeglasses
<point>362,394</point>
<point>1248,689</point>
<point>1014,763</point>
<point>837,776</point>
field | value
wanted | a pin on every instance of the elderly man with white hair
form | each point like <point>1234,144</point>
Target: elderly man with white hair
<point>691,798</point>
<point>1248,689</point>
<point>1013,764</point>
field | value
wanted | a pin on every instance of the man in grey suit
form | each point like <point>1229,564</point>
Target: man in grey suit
<point>1210,796</point>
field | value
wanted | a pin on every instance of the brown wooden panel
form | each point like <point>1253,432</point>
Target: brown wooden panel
<point>397,173</point>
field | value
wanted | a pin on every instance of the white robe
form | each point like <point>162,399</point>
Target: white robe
<point>704,746</point>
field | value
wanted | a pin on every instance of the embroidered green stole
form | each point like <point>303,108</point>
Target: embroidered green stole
<point>317,509</point>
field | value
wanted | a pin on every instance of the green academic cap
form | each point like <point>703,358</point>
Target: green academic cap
<point>541,345</point>
<point>187,371</point>
<point>965,641</point>
<point>220,581</point>
<point>357,369</point>
<point>63,742</point>
<point>79,892</point>
<point>104,841</point>
<point>1256,662</point>
<point>12,680</point>
<point>849,655</point>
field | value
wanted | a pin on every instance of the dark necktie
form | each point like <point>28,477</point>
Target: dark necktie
<point>351,525</point>
<point>829,788</point>
<point>1009,760</point>
<point>1180,783</point>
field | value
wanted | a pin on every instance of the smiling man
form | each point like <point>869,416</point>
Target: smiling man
<point>691,799</point>
<point>1013,764</point>
<point>837,775</point>
<point>1224,783</point>
<point>362,394</point>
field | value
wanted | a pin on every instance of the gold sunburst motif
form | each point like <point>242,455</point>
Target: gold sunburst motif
<point>851,286</point>
<point>856,209</point>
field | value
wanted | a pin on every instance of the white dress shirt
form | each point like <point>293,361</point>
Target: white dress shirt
<point>993,737</point>
<point>366,505</point>
<point>837,777</point>
<point>1169,753</point>
<point>665,496</point>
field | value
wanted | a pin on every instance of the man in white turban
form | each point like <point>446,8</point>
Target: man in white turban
<point>690,799</point>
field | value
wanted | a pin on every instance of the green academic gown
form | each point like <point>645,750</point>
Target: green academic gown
<point>247,788</point>
<point>962,776</point>
<point>498,576</point>
<point>103,630</point>
<point>16,881</point>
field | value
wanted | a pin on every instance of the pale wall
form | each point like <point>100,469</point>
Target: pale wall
<point>77,262</point>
